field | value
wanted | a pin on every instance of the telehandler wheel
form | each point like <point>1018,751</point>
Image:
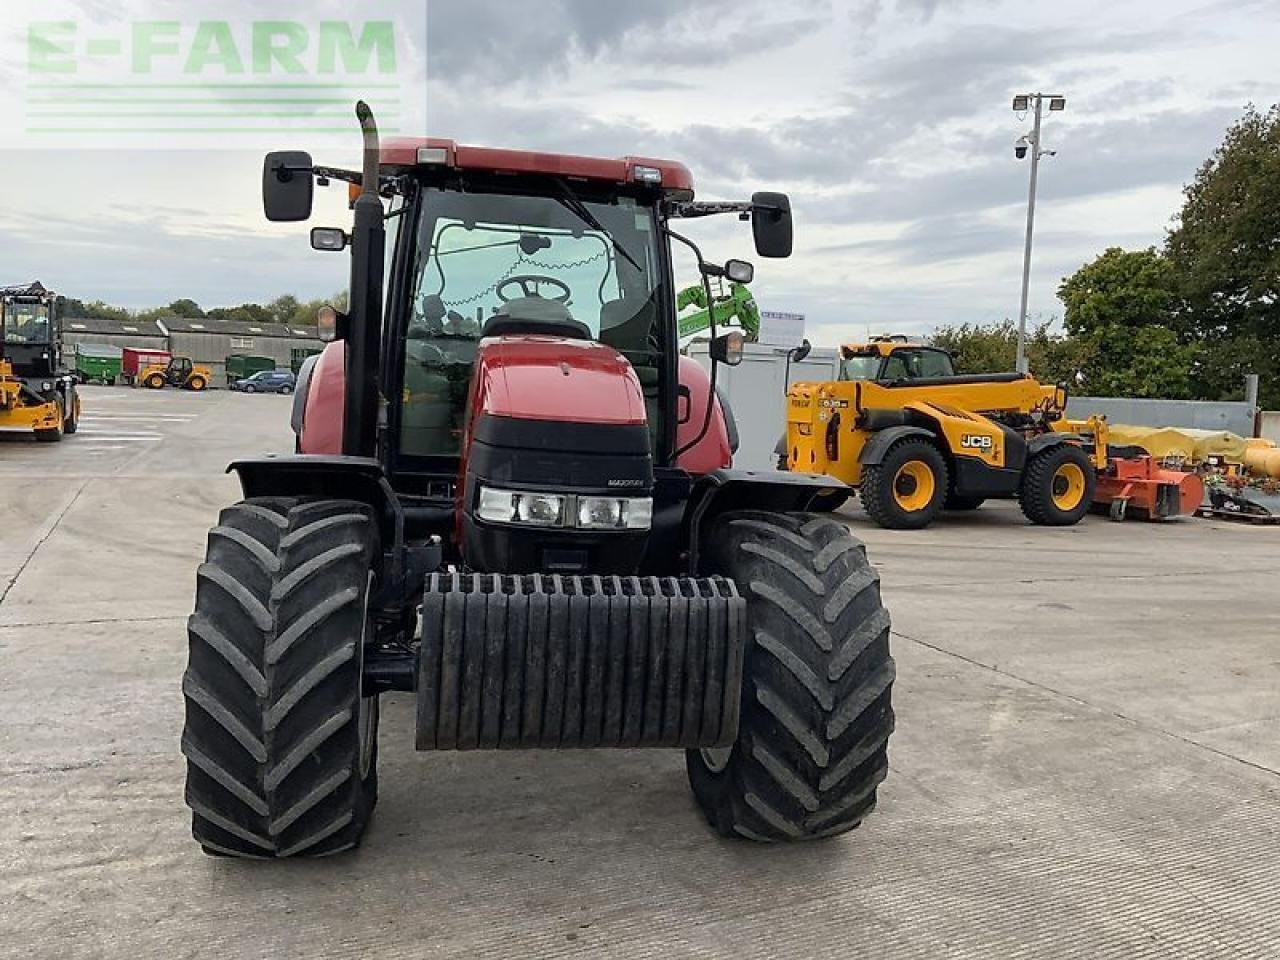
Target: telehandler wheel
<point>155,382</point>
<point>281,744</point>
<point>816,715</point>
<point>196,383</point>
<point>955,501</point>
<point>905,490</point>
<point>1057,486</point>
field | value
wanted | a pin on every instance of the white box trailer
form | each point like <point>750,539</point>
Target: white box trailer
<point>756,390</point>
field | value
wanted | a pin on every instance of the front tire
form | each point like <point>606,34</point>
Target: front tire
<point>1057,486</point>
<point>816,714</point>
<point>250,388</point>
<point>904,491</point>
<point>281,745</point>
<point>196,383</point>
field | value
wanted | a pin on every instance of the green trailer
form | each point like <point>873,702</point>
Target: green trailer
<point>95,364</point>
<point>241,365</point>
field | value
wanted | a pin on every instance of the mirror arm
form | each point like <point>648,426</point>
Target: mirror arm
<point>711,326</point>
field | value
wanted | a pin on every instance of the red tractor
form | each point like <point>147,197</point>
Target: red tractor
<point>514,498</point>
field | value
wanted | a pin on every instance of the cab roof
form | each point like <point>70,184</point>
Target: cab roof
<point>670,175</point>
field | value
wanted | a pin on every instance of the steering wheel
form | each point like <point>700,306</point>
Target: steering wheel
<point>530,285</point>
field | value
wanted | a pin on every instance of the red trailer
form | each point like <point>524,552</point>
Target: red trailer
<point>134,360</point>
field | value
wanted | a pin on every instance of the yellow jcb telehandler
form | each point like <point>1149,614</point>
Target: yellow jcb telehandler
<point>915,438</point>
<point>180,372</point>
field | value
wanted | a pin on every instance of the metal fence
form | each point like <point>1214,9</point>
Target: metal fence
<point>1235,416</point>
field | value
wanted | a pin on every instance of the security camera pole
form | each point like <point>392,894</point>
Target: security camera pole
<point>1020,104</point>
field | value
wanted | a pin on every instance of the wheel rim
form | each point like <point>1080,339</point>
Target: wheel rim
<point>913,486</point>
<point>716,758</point>
<point>1068,486</point>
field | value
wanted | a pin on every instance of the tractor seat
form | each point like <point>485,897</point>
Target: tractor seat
<point>535,315</point>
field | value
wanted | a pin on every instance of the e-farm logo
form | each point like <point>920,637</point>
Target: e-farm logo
<point>235,82</point>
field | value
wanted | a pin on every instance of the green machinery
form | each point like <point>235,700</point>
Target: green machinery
<point>735,304</point>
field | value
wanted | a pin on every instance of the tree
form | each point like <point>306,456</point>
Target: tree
<point>1226,245</point>
<point>992,348</point>
<point>94,310</point>
<point>1225,251</point>
<point>185,308</point>
<point>1122,308</point>
<point>1126,288</point>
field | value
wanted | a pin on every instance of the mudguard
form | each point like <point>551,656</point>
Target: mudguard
<point>1046,440</point>
<point>325,409</point>
<point>773,490</point>
<point>714,450</point>
<point>879,444</point>
<point>326,477</point>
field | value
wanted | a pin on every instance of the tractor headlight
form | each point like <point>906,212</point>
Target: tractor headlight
<point>511,506</point>
<point>615,513</point>
<point>523,507</point>
<point>540,509</point>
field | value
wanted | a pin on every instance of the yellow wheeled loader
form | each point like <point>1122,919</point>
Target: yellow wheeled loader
<point>915,438</point>
<point>37,396</point>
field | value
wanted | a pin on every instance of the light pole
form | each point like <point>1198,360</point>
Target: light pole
<point>1031,142</point>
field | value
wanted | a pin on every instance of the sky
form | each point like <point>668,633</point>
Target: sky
<point>887,121</point>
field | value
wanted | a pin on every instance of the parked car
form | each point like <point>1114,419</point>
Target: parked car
<point>267,381</point>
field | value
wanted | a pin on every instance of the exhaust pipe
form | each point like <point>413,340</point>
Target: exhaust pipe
<point>368,240</point>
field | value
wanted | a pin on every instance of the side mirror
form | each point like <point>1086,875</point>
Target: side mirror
<point>329,239</point>
<point>727,348</point>
<point>800,352</point>
<point>287,186</point>
<point>771,224</point>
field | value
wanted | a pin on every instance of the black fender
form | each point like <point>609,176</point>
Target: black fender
<point>1046,440</point>
<point>361,479</point>
<point>876,448</point>
<point>776,491</point>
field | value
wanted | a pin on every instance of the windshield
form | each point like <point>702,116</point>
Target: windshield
<point>26,322</point>
<point>478,252</point>
<point>552,255</point>
<point>860,366</point>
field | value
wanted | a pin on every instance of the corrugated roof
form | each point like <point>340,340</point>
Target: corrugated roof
<point>235,328</point>
<point>121,328</point>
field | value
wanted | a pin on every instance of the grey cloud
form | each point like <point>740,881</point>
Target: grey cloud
<point>481,42</point>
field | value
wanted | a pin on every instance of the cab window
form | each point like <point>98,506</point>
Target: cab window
<point>916,364</point>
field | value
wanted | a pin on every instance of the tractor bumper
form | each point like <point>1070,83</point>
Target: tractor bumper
<point>511,662</point>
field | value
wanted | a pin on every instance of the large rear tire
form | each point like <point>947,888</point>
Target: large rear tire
<point>816,714</point>
<point>1057,486</point>
<point>281,745</point>
<point>905,490</point>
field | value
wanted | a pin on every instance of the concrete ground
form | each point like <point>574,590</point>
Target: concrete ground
<point>1087,761</point>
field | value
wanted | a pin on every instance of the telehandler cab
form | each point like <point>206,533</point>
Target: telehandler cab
<point>515,499</point>
<point>38,394</point>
